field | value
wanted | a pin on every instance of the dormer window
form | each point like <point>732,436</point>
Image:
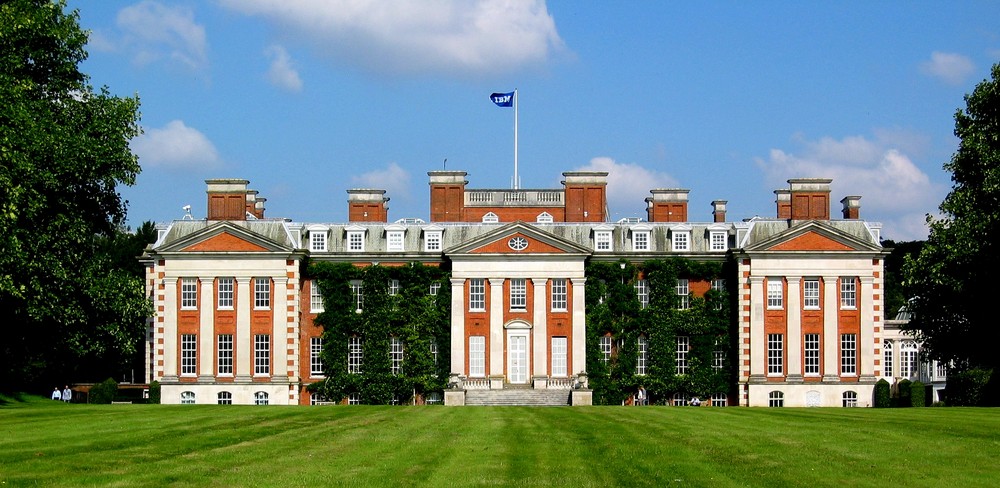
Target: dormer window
<point>544,218</point>
<point>432,238</point>
<point>317,240</point>
<point>355,238</point>
<point>394,238</point>
<point>717,241</point>
<point>490,218</point>
<point>680,238</point>
<point>641,237</point>
<point>602,238</point>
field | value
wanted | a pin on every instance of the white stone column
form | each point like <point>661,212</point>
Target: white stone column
<point>206,331</point>
<point>758,342</point>
<point>170,337</point>
<point>831,309</point>
<point>457,327</point>
<point>794,328</point>
<point>579,326</point>
<point>497,305</point>
<point>540,346</point>
<point>866,340</point>
<point>279,321</point>
<point>242,348</point>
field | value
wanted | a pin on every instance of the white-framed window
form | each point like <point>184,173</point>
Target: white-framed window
<point>432,240</point>
<point>261,398</point>
<point>394,240</point>
<point>224,398</point>
<point>775,354</point>
<point>719,285</point>
<point>316,357</point>
<point>642,358</point>
<point>908,353</point>
<point>225,349</point>
<point>849,354</point>
<point>559,295</point>
<point>490,218</point>
<point>261,354</point>
<point>358,295</point>
<point>848,293</point>
<point>810,294</point>
<point>261,293</point>
<point>683,291</point>
<point>477,294</point>
<point>189,354</point>
<point>850,399</point>
<point>355,355</point>
<point>432,345</point>
<point>434,289</point>
<point>356,240</point>
<point>187,398</point>
<point>317,240</point>
<point>718,241</point>
<point>887,359</point>
<point>642,293</point>
<point>602,240</point>
<point>189,293</point>
<point>395,355</point>
<point>559,357</point>
<point>225,294</point>
<point>604,343</point>
<point>811,354</point>
<point>720,400</point>
<point>941,369</point>
<point>544,218</point>
<point>680,240</point>
<point>315,297</point>
<point>477,356</point>
<point>775,294</point>
<point>776,399</point>
<point>640,240</point>
<point>518,294</point>
<point>354,398</point>
<point>316,399</point>
<point>393,288</point>
<point>679,399</point>
<point>683,347</point>
<point>718,359</point>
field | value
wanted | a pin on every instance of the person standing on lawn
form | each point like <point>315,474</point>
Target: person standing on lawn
<point>67,394</point>
<point>55,394</point>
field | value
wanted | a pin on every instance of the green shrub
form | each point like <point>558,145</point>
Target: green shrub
<point>104,392</point>
<point>967,388</point>
<point>918,397</point>
<point>903,393</point>
<point>154,393</point>
<point>882,395</point>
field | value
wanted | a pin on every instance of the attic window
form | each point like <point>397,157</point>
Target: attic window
<point>490,218</point>
<point>544,218</point>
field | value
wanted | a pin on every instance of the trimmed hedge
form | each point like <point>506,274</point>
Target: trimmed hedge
<point>903,394</point>
<point>104,392</point>
<point>917,395</point>
<point>967,388</point>
<point>882,394</point>
<point>154,392</point>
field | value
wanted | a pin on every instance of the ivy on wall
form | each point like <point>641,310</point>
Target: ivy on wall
<point>613,308</point>
<point>413,315</point>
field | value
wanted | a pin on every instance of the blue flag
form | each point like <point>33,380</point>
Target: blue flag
<point>503,99</point>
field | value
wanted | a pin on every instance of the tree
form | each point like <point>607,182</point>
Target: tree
<point>953,281</point>
<point>64,149</point>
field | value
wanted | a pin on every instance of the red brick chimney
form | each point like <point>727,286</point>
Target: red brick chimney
<point>227,199</point>
<point>367,205</point>
<point>255,204</point>
<point>852,207</point>
<point>586,196</point>
<point>719,210</point>
<point>447,195</point>
<point>783,200</point>
<point>810,198</point>
<point>667,205</point>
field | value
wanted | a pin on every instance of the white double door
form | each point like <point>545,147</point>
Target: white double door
<point>517,357</point>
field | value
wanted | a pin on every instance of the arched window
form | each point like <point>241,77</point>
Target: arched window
<point>887,359</point>
<point>490,218</point>
<point>850,398</point>
<point>544,218</point>
<point>187,398</point>
<point>720,400</point>
<point>776,399</point>
<point>908,359</point>
<point>260,398</point>
<point>679,399</point>
<point>354,399</point>
<point>225,398</point>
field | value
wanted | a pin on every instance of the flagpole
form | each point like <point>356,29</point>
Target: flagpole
<point>517,181</point>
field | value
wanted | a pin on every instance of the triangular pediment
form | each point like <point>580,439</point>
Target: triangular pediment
<point>224,237</point>
<point>518,238</point>
<point>813,236</point>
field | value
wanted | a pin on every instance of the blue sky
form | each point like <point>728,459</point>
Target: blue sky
<point>307,99</point>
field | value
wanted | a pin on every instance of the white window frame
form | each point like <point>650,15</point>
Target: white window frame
<point>224,398</point>
<point>560,295</point>
<point>810,294</point>
<point>225,287</point>
<point>718,359</point>
<point>490,218</point>
<point>316,357</point>
<point>318,240</point>
<point>394,240</point>
<point>544,218</point>
<point>432,346</point>
<point>355,241</point>
<point>640,240</point>
<point>848,293</point>
<point>395,355</point>
<point>605,343</point>
<point>680,240</point>
<point>433,239</point>
<point>681,358</point>
<point>225,354</point>
<point>642,293</point>
<point>642,355</point>
<point>775,354</point>
<point>909,354</point>
<point>261,355</point>
<point>261,398</point>
<point>775,294</point>
<point>679,399</point>
<point>477,356</point>
<point>355,355</point>
<point>776,398</point>
<point>719,285</point>
<point>887,359</point>
<point>848,354</point>
<point>477,295</point>
<point>189,354</point>
<point>354,398</point>
<point>683,292</point>
<point>358,295</point>
<point>189,293</point>
<point>849,399</point>
<point>518,294</point>
<point>811,355</point>
<point>602,241</point>
<point>559,357</point>
<point>435,288</point>
<point>393,288</point>
<point>315,297</point>
<point>718,240</point>
<point>262,293</point>
<point>720,400</point>
<point>187,398</point>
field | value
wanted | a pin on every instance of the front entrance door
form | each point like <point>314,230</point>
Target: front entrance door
<point>517,361</point>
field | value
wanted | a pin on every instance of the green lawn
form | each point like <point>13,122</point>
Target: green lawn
<point>47,443</point>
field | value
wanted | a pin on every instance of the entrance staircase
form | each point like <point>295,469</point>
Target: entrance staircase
<point>510,396</point>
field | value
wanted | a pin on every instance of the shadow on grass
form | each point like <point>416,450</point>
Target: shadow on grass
<point>9,398</point>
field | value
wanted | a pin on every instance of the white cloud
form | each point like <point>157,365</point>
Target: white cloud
<point>952,68</point>
<point>393,179</point>
<point>175,146</point>
<point>893,189</point>
<point>414,36</point>
<point>152,31</point>
<point>282,73</point>
<point>624,179</point>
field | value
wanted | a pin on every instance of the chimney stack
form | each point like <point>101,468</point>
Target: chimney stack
<point>667,205</point>
<point>810,198</point>
<point>255,204</point>
<point>783,200</point>
<point>227,199</point>
<point>719,210</point>
<point>447,195</point>
<point>852,207</point>
<point>367,205</point>
<point>586,197</point>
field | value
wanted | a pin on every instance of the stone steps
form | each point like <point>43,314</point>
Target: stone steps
<point>518,397</point>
